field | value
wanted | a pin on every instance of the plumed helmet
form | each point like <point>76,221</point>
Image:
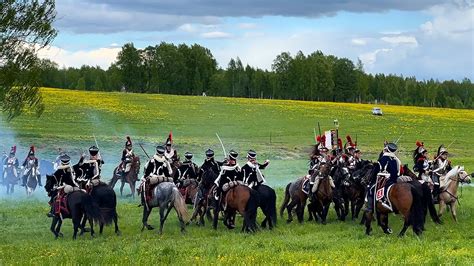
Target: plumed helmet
<point>128,143</point>
<point>209,153</point>
<point>442,150</point>
<point>160,149</point>
<point>420,148</point>
<point>391,147</point>
<point>13,150</point>
<point>251,154</point>
<point>233,155</point>
<point>169,140</point>
<point>65,159</point>
<point>93,151</point>
<point>32,151</point>
<point>188,155</point>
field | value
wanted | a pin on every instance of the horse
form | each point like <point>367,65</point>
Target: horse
<point>166,196</point>
<point>340,175</point>
<point>298,198</point>
<point>267,198</point>
<point>106,199</point>
<point>201,200</point>
<point>31,182</point>
<point>323,196</point>
<point>354,194</point>
<point>130,178</point>
<point>449,184</point>
<point>189,191</point>
<point>242,199</point>
<point>79,205</point>
<point>11,178</point>
<point>406,200</point>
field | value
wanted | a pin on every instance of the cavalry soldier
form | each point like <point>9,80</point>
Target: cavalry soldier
<point>319,153</point>
<point>210,164</point>
<point>171,154</point>
<point>441,167</point>
<point>230,172</point>
<point>127,157</point>
<point>187,170</point>
<point>92,166</point>
<point>57,161</point>
<point>10,161</point>
<point>349,155</point>
<point>357,158</point>
<point>31,166</point>
<point>421,163</point>
<point>65,180</point>
<point>388,165</point>
<point>251,173</point>
<point>158,170</point>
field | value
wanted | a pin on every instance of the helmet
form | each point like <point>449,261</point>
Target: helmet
<point>160,149</point>
<point>93,151</point>
<point>209,153</point>
<point>442,150</point>
<point>13,150</point>
<point>251,154</point>
<point>65,159</point>
<point>128,143</point>
<point>32,151</point>
<point>233,155</point>
<point>391,147</point>
<point>188,155</point>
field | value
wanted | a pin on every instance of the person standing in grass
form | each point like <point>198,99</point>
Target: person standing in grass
<point>251,174</point>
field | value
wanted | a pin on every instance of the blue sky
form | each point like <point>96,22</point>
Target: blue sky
<point>426,39</point>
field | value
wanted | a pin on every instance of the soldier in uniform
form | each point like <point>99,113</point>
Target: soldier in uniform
<point>441,167</point>
<point>170,153</point>
<point>57,161</point>
<point>252,176</point>
<point>158,169</point>
<point>127,157</point>
<point>210,164</point>
<point>421,163</point>
<point>92,166</point>
<point>10,161</point>
<point>65,179</point>
<point>388,165</point>
<point>230,171</point>
<point>31,166</point>
<point>350,161</point>
<point>187,170</point>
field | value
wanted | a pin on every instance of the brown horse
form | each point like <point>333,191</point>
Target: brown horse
<point>406,200</point>
<point>202,199</point>
<point>293,192</point>
<point>354,194</point>
<point>189,191</point>
<point>323,196</point>
<point>450,184</point>
<point>240,199</point>
<point>130,178</point>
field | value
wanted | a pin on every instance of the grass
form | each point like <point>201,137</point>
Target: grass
<point>279,130</point>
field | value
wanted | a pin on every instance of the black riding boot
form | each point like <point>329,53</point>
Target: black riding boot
<point>51,211</point>
<point>436,191</point>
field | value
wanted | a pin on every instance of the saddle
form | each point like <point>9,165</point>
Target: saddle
<point>382,190</point>
<point>60,204</point>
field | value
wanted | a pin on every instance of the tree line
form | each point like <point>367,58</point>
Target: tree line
<point>192,70</point>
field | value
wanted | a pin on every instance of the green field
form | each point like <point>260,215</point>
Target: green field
<point>279,130</point>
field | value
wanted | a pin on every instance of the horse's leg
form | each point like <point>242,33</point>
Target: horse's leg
<point>132,188</point>
<point>368,222</point>
<point>146,213</point>
<point>83,225</point>
<point>101,227</point>
<point>117,230</point>
<point>53,226</point>
<point>91,223</point>
<point>76,221</point>
<point>180,218</point>
<point>58,227</point>
<point>442,207</point>
<point>163,216</point>
<point>289,208</point>
<point>121,188</point>
<point>384,223</point>
<point>453,210</point>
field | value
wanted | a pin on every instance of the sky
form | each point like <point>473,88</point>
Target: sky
<point>423,38</point>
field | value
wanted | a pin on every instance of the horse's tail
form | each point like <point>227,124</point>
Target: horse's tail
<point>429,203</point>
<point>286,200</point>
<point>272,207</point>
<point>110,213</point>
<point>91,208</point>
<point>251,210</point>
<point>180,205</point>
<point>417,211</point>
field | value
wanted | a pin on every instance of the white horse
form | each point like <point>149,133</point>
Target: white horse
<point>449,187</point>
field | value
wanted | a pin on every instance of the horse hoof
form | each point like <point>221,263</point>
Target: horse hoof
<point>288,221</point>
<point>118,233</point>
<point>60,235</point>
<point>149,227</point>
<point>388,231</point>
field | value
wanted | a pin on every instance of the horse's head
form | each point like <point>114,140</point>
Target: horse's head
<point>464,177</point>
<point>408,172</point>
<point>362,174</point>
<point>50,182</point>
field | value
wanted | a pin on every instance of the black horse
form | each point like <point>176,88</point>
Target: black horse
<point>79,205</point>
<point>267,197</point>
<point>354,194</point>
<point>340,175</point>
<point>201,202</point>
<point>105,197</point>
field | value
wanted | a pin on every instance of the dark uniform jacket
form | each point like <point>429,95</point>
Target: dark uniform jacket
<point>389,163</point>
<point>228,174</point>
<point>249,174</point>
<point>157,166</point>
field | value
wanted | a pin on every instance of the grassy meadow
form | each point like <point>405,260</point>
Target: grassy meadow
<point>279,130</point>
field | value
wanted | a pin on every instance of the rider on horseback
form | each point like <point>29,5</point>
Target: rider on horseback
<point>441,167</point>
<point>210,164</point>
<point>10,161</point>
<point>65,180</point>
<point>350,150</point>
<point>251,173</point>
<point>31,166</point>
<point>158,170</point>
<point>127,157</point>
<point>187,170</point>
<point>389,166</point>
<point>421,163</point>
<point>171,154</point>
<point>57,161</point>
<point>92,166</point>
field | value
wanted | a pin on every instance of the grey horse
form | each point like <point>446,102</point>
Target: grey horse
<point>165,196</point>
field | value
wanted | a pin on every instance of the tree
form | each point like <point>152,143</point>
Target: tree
<point>25,27</point>
<point>130,64</point>
<point>81,84</point>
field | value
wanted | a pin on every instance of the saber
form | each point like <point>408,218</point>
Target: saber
<point>315,137</point>
<point>399,138</point>
<point>450,144</point>
<point>139,144</point>
<point>97,145</point>
<point>222,144</point>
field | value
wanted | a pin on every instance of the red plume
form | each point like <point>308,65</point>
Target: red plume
<point>13,149</point>
<point>349,139</point>
<point>339,143</point>
<point>129,140</point>
<point>170,136</point>
<point>323,140</point>
<point>318,139</point>
<point>419,144</point>
<point>32,148</point>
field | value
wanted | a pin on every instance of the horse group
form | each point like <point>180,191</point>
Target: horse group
<point>409,197</point>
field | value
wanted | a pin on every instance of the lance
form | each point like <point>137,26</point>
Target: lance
<point>97,145</point>
<point>222,144</point>
<point>139,144</point>
<point>319,128</point>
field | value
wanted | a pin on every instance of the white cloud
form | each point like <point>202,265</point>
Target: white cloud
<point>370,58</point>
<point>398,40</point>
<point>247,26</point>
<point>102,57</point>
<point>359,41</point>
<point>216,35</point>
